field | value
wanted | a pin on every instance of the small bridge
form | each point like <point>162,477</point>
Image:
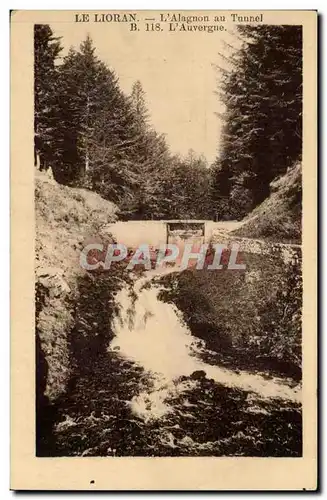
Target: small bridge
<point>178,230</point>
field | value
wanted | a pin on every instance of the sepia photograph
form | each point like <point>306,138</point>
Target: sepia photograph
<point>168,188</point>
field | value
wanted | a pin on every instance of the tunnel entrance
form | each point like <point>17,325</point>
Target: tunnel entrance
<point>181,232</point>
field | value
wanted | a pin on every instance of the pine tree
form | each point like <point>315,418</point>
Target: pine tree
<point>95,132</point>
<point>139,106</point>
<point>151,156</point>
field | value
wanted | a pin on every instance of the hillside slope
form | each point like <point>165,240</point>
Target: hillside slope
<point>278,218</point>
<point>65,218</point>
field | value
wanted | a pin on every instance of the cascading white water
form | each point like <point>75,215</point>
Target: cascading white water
<point>152,334</point>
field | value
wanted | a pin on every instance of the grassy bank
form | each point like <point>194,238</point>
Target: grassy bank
<point>249,319</point>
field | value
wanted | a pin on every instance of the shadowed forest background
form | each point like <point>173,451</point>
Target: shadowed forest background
<point>94,135</point>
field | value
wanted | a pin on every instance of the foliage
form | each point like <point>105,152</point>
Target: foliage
<point>278,218</point>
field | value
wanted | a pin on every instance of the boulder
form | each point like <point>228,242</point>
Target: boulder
<point>198,375</point>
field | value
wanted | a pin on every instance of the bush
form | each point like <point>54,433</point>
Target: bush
<point>281,320</point>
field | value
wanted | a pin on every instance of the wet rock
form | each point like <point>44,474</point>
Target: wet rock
<point>52,279</point>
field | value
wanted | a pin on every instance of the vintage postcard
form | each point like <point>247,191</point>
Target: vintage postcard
<point>164,260</point>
